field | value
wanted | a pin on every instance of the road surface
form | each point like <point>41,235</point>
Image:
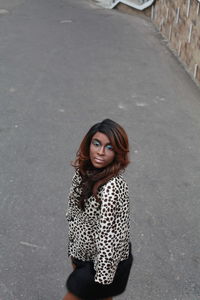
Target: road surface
<point>65,65</point>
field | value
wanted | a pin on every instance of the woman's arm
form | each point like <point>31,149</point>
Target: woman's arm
<point>107,240</point>
<point>72,197</point>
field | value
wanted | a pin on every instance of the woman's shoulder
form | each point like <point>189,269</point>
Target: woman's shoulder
<point>114,189</point>
<point>117,181</point>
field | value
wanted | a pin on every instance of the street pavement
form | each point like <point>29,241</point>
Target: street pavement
<point>65,65</point>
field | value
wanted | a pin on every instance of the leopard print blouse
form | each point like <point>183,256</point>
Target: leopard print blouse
<point>101,232</point>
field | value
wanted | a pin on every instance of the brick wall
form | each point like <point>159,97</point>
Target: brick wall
<point>179,23</point>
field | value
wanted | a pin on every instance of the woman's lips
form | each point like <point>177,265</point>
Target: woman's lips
<point>98,160</point>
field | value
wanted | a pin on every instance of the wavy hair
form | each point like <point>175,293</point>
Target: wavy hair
<point>93,178</point>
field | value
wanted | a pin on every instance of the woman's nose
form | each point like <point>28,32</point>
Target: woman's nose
<point>101,150</point>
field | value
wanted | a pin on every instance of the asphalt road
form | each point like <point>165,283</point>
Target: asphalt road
<point>65,65</point>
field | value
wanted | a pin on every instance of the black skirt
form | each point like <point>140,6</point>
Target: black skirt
<point>81,281</point>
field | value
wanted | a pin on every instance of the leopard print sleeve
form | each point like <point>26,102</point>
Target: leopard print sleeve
<point>72,208</point>
<point>113,228</point>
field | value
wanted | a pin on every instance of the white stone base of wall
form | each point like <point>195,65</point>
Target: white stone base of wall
<point>132,3</point>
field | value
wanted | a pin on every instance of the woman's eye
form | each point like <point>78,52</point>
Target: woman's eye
<point>109,147</point>
<point>95,143</point>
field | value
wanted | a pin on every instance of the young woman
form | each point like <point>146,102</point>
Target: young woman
<point>98,215</point>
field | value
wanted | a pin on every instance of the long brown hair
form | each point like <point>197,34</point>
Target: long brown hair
<point>93,178</point>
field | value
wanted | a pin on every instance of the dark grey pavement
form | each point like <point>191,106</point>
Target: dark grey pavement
<point>64,65</point>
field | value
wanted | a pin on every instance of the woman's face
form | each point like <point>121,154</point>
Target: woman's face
<point>101,150</point>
